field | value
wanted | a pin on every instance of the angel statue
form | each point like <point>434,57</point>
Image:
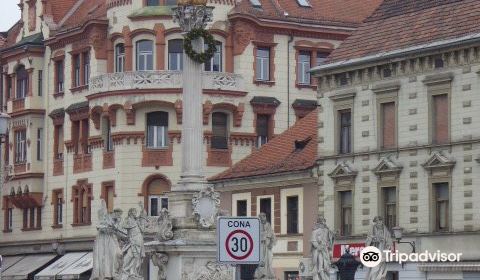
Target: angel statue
<point>134,249</point>
<point>107,255</point>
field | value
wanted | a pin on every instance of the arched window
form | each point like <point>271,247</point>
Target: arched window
<point>119,57</point>
<point>157,130</point>
<point>144,55</point>
<point>156,194</point>
<point>219,130</point>
<point>215,63</point>
<point>175,54</point>
<point>22,82</point>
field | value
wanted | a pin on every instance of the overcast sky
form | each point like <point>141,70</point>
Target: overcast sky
<point>9,14</point>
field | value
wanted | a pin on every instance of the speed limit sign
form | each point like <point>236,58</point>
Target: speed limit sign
<point>238,240</point>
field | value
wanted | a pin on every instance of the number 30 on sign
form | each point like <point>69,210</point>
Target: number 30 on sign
<point>238,240</point>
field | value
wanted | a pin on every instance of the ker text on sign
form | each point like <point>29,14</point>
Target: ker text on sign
<point>238,240</point>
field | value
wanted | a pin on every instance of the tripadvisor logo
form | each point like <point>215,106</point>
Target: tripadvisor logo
<point>371,256</point>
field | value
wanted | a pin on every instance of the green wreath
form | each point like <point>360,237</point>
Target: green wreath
<point>208,40</point>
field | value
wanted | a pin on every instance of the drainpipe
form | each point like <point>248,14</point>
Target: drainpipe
<point>290,40</point>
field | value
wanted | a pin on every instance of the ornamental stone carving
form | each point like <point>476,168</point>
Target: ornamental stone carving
<point>211,271</point>
<point>206,205</point>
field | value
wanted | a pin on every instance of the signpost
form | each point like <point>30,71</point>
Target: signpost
<point>238,240</point>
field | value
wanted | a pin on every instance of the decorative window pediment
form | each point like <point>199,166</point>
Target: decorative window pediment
<point>387,167</point>
<point>438,160</point>
<point>343,172</point>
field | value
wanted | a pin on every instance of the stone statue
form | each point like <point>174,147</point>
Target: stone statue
<point>267,241</point>
<point>165,226</point>
<point>380,237</point>
<point>322,244</point>
<point>107,254</point>
<point>134,250</point>
<point>160,260</point>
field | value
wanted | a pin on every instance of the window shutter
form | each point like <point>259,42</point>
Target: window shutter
<point>440,118</point>
<point>389,124</point>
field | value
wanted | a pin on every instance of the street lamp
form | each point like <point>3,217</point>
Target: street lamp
<point>398,234</point>
<point>4,119</point>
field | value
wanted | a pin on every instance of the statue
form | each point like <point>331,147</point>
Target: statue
<point>322,244</point>
<point>107,254</point>
<point>160,260</point>
<point>381,238</point>
<point>165,226</point>
<point>267,241</point>
<point>134,250</point>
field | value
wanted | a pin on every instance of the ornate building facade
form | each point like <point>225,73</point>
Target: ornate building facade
<point>398,133</point>
<point>94,91</point>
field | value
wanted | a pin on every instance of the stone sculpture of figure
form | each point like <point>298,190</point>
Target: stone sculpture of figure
<point>160,260</point>
<point>165,226</point>
<point>380,237</point>
<point>106,252</point>
<point>267,241</point>
<point>134,250</point>
<point>322,243</point>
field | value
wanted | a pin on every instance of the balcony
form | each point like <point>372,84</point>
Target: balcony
<point>165,79</point>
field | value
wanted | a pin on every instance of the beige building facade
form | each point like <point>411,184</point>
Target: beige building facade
<point>398,137</point>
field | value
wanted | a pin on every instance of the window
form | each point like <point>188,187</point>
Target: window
<point>175,54</point>
<point>346,213</point>
<point>438,63</point>
<point>156,204</point>
<point>440,119</point>
<point>76,70</point>
<point>262,129</point>
<point>32,218</point>
<point>292,214</point>
<point>57,201</point>
<point>109,194</point>
<point>22,82</point>
<point>241,208</point>
<point>82,202</point>
<point>119,58</point>
<point>171,2</point>
<point>266,207</point>
<point>215,63</point>
<point>321,57</point>
<point>58,142</point>
<point>107,134</point>
<point>345,131</point>
<point>388,124</point>
<point>39,144</point>
<point>153,2</point>
<point>144,55</point>
<point>390,206</point>
<point>40,82</point>
<point>20,146</point>
<point>303,3</point>
<point>86,68</point>
<point>80,131</point>
<point>157,130</point>
<point>9,219</point>
<point>9,87</point>
<point>392,275</point>
<point>59,68</point>
<point>442,196</point>
<point>303,65</point>
<point>219,131</point>
<point>263,64</point>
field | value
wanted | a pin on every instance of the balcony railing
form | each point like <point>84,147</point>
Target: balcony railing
<point>163,79</point>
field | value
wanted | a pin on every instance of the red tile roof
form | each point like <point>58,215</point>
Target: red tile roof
<point>87,10</point>
<point>398,24</point>
<point>279,155</point>
<point>335,12</point>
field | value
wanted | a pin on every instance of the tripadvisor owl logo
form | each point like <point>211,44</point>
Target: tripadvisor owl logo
<point>370,256</point>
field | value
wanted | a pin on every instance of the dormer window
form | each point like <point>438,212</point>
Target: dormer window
<point>256,3</point>
<point>303,3</point>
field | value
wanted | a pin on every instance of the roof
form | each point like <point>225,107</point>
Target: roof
<point>32,40</point>
<point>82,12</point>
<point>265,100</point>
<point>347,13</point>
<point>10,37</point>
<point>398,25</point>
<point>293,150</point>
<point>77,106</point>
<point>304,103</point>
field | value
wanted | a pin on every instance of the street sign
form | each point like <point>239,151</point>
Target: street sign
<point>238,240</point>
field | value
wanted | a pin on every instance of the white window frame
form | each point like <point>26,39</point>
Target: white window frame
<point>163,137</point>
<point>20,147</point>
<point>242,196</point>
<point>261,73</point>
<point>119,59</point>
<point>40,143</point>
<point>10,218</point>
<point>143,55</point>
<point>218,55</point>
<point>284,193</point>
<point>272,207</point>
<point>159,199</point>
<point>59,206</point>
<point>303,66</point>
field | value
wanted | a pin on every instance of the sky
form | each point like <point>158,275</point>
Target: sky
<point>9,13</point>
